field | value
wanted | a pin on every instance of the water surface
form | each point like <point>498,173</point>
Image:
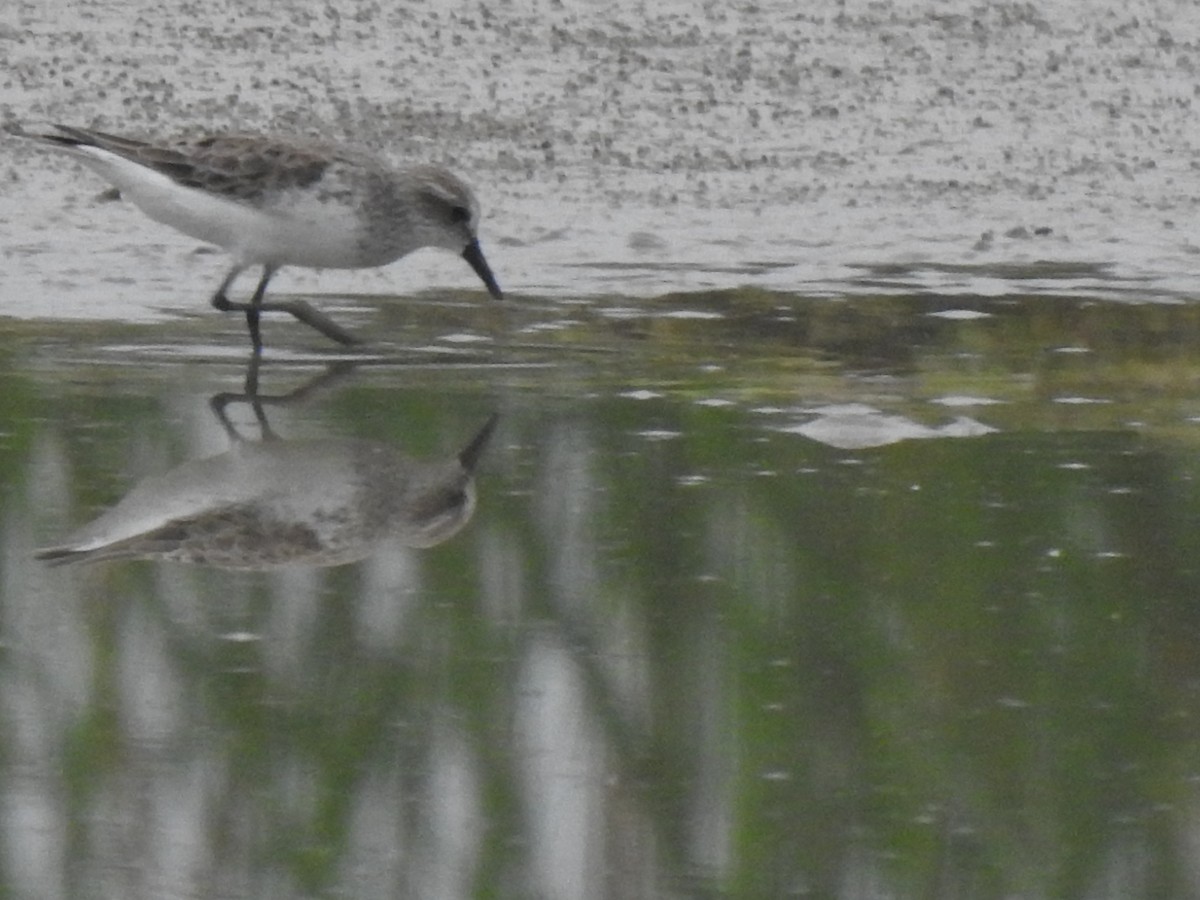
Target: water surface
<point>762,597</point>
<point>837,537</point>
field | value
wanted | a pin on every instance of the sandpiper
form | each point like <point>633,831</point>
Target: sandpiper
<point>276,202</point>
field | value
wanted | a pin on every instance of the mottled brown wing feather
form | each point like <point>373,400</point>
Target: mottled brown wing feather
<point>240,167</point>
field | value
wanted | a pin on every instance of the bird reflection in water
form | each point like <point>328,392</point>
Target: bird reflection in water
<point>273,502</point>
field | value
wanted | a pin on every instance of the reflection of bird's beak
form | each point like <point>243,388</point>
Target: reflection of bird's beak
<point>470,454</point>
<point>474,256</point>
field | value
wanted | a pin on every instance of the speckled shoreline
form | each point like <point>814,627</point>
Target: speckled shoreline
<point>634,149</point>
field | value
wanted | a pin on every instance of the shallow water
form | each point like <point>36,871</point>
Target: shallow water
<point>835,599</point>
<point>837,537</point>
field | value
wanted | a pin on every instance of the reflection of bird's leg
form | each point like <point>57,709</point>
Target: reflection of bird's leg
<point>333,372</point>
<point>219,402</point>
<point>250,395</point>
<point>296,308</point>
<point>250,387</point>
<point>250,383</point>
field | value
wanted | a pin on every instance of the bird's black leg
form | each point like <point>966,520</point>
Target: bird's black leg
<point>314,319</point>
<point>297,308</point>
<point>252,309</point>
<point>220,299</point>
<point>255,308</point>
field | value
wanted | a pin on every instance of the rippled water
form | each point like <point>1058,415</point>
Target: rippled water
<point>793,598</point>
<point>836,537</point>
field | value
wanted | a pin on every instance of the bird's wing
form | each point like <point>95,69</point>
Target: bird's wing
<point>236,166</point>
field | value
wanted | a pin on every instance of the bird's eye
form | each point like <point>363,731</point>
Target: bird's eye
<point>460,214</point>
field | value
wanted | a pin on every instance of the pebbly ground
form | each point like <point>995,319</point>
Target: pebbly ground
<point>636,148</point>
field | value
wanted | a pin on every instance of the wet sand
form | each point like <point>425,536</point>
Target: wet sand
<point>847,148</point>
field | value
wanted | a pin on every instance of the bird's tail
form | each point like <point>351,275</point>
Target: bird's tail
<point>68,137</point>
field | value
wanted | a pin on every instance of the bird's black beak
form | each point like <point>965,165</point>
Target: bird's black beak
<point>474,256</point>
